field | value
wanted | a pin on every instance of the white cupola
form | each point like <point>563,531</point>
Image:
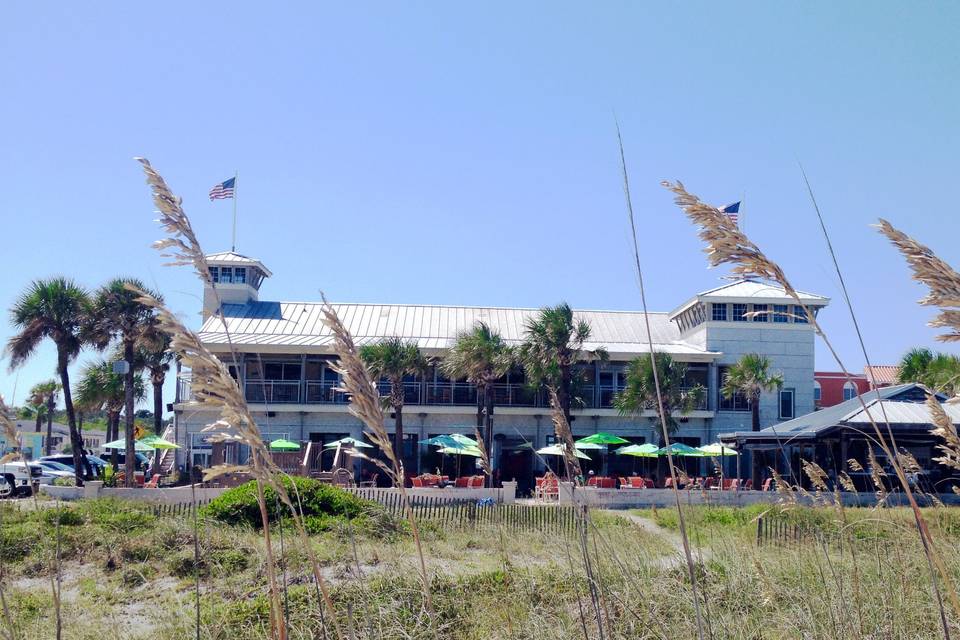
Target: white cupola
<point>237,279</point>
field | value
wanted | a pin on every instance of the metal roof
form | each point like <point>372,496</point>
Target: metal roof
<point>897,405</point>
<point>881,374</point>
<point>746,290</point>
<point>234,258</point>
<point>299,326</point>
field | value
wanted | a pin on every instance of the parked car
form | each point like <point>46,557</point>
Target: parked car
<point>142,460</point>
<point>5,488</point>
<point>66,460</point>
<point>53,472</point>
<point>20,476</point>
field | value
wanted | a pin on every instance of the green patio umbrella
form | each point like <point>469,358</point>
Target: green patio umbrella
<point>647,450</point>
<point>589,445</point>
<point>464,451</point>
<point>122,444</point>
<point>680,449</point>
<point>284,445</point>
<point>558,450</point>
<point>716,449</point>
<point>602,438</point>
<point>157,442</point>
<point>348,442</point>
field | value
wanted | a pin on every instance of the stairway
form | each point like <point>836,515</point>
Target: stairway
<point>168,457</point>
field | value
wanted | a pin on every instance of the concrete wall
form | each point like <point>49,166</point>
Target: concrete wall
<point>790,348</point>
<point>91,490</point>
<point>643,498</point>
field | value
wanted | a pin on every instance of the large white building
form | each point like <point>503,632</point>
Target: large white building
<point>284,354</point>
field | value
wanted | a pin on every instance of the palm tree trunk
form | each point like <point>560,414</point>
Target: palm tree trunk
<point>39,419</point>
<point>157,417</point>
<point>488,427</point>
<point>48,448</point>
<point>563,393</point>
<point>87,470</point>
<point>398,438</point>
<point>755,412</point>
<point>129,457</point>
<point>113,429</point>
<point>78,456</point>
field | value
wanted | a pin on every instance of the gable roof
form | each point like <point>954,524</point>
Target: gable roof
<point>298,326</point>
<point>900,404</point>
<point>748,290</point>
<point>233,258</point>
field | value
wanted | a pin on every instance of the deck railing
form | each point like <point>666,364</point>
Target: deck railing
<point>415,393</point>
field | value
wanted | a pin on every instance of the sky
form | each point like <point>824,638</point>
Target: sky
<point>465,153</point>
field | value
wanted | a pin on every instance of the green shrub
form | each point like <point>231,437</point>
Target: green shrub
<point>117,516</point>
<point>230,561</point>
<point>184,566</point>
<point>68,517</point>
<point>322,504</point>
<point>18,540</point>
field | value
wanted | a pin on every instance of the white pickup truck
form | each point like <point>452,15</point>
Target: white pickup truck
<point>19,477</point>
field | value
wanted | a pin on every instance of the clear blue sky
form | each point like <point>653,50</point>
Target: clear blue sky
<point>444,153</point>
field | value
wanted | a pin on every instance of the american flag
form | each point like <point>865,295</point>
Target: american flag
<point>732,211</point>
<point>223,190</point>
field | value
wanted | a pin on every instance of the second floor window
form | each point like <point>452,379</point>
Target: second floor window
<point>739,312</point>
<point>849,391</point>
<point>719,312</point>
<point>736,402</point>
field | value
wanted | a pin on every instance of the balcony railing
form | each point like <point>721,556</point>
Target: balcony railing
<point>415,393</point>
<point>273,391</point>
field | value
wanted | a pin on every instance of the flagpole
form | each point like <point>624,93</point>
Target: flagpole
<point>236,186</point>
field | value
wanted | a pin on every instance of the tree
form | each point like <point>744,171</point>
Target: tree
<point>38,400</point>
<point>50,396</point>
<point>55,309</point>
<point>481,356</point>
<point>751,377</point>
<point>154,356</point>
<point>100,389</point>
<point>938,371</point>
<point>553,345</point>
<point>118,314</point>
<point>392,358</point>
<point>640,391</point>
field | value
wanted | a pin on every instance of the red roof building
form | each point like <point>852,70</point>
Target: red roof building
<point>833,387</point>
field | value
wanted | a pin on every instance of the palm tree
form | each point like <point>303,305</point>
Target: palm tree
<point>118,314</point>
<point>38,400</point>
<point>56,309</point>
<point>481,356</point>
<point>939,371</point>
<point>155,357</point>
<point>392,358</point>
<point>751,376</point>
<point>553,345</point>
<point>51,390</point>
<point>100,389</point>
<point>640,392</point>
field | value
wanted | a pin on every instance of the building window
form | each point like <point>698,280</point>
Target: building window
<point>736,402</point>
<point>849,390</point>
<point>226,275</point>
<point>215,274</point>
<point>781,313</point>
<point>739,312</point>
<point>786,404</point>
<point>817,392</point>
<point>239,275</point>
<point>719,312</point>
<point>761,310</point>
<point>799,315</point>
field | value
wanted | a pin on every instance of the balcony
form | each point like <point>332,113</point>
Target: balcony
<point>414,393</point>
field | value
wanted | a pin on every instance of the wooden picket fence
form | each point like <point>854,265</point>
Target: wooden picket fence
<point>444,511</point>
<point>458,512</point>
<point>179,509</point>
<point>777,530</point>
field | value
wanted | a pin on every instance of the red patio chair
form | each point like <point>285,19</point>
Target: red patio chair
<point>649,484</point>
<point>668,483</point>
<point>748,485</point>
<point>607,483</point>
<point>767,485</point>
<point>462,482</point>
<point>417,482</point>
<point>153,483</point>
<point>636,482</point>
<point>476,482</point>
<point>592,481</point>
